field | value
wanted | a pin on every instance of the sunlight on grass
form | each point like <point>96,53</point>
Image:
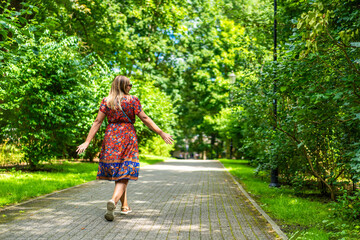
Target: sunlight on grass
<point>281,203</point>
<point>18,186</point>
<point>150,159</point>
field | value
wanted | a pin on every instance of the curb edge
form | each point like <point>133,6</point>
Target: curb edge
<point>43,196</point>
<point>272,223</point>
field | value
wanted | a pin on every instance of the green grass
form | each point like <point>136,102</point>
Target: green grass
<point>17,186</point>
<point>300,217</point>
<point>150,159</point>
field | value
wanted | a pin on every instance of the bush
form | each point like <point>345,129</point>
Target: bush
<point>347,205</point>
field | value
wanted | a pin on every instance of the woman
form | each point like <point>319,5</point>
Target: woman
<point>119,157</point>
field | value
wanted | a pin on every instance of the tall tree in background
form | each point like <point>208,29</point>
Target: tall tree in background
<point>52,80</point>
<point>179,55</point>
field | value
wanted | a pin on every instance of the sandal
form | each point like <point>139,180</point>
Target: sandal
<point>125,210</point>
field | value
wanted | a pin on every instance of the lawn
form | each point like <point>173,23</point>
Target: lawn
<point>300,217</point>
<point>20,185</point>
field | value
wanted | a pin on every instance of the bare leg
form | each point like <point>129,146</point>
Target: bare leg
<point>120,189</point>
<point>123,200</point>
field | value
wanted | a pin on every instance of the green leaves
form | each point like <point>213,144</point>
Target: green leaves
<point>59,58</point>
<point>41,77</point>
<point>314,82</point>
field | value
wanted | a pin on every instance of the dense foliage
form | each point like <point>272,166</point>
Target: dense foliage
<point>59,57</point>
<point>52,84</point>
<point>317,90</point>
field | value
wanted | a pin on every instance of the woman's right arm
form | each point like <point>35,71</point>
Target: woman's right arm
<point>152,126</point>
<point>94,128</point>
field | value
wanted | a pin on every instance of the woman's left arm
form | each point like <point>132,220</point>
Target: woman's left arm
<point>94,128</point>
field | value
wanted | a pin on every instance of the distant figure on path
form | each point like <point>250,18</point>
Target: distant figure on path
<point>119,157</point>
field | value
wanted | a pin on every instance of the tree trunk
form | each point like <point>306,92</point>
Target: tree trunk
<point>212,146</point>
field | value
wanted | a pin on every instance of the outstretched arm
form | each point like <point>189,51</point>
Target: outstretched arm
<point>94,128</point>
<point>152,126</point>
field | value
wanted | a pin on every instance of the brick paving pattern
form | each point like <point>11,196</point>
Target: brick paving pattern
<point>177,199</point>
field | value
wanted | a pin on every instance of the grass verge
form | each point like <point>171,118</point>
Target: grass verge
<point>19,185</point>
<point>150,159</point>
<point>300,217</point>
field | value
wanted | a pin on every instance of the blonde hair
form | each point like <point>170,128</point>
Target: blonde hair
<point>117,92</point>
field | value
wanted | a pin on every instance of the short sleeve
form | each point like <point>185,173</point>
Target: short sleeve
<point>137,106</point>
<point>103,106</point>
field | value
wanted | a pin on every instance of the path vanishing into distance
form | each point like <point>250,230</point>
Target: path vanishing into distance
<point>176,199</point>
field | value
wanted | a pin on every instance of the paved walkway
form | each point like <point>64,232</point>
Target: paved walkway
<point>177,199</point>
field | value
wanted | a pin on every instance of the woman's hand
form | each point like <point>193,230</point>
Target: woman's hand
<point>94,128</point>
<point>167,138</point>
<point>81,148</point>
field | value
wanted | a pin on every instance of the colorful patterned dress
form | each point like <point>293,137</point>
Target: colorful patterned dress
<point>119,157</point>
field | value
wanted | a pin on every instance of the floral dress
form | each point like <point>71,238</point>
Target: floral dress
<point>119,157</point>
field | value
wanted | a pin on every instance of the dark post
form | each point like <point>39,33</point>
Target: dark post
<point>232,81</point>
<point>274,172</point>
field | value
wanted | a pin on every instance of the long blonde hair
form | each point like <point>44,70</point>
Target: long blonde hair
<point>117,92</point>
